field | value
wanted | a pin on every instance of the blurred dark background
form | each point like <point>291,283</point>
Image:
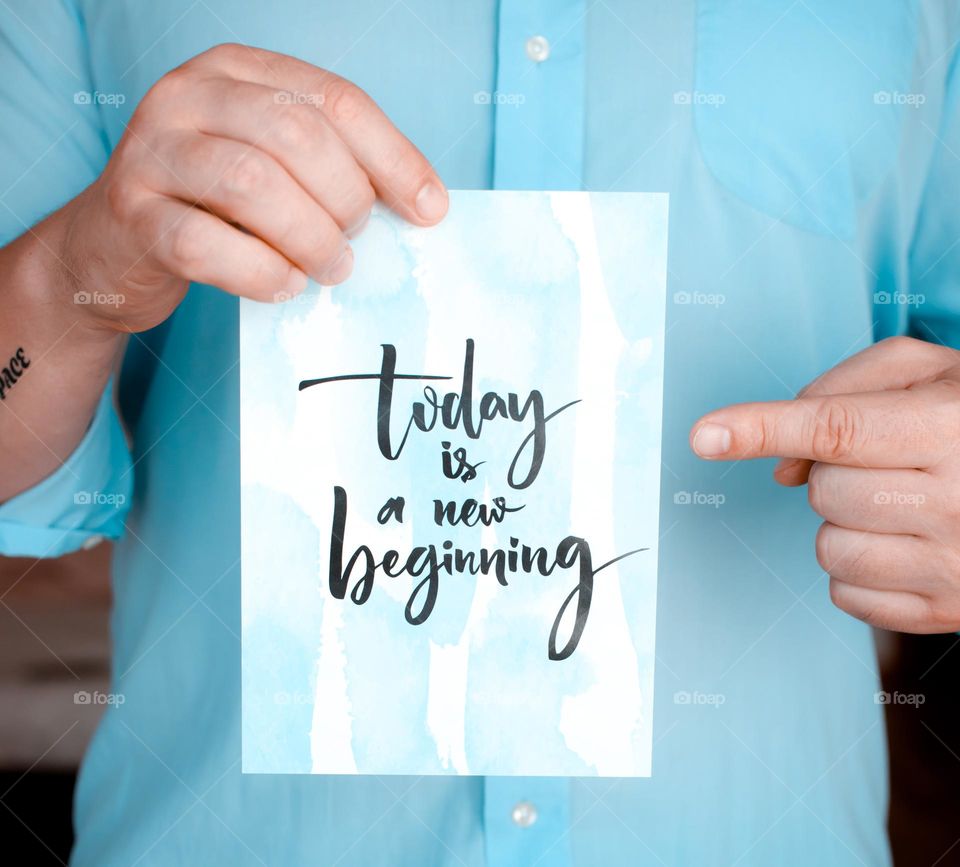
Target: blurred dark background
<point>54,651</point>
<point>924,744</point>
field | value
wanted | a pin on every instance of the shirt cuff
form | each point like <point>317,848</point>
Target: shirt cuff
<point>82,502</point>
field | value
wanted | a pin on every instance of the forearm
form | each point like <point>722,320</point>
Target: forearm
<point>53,364</point>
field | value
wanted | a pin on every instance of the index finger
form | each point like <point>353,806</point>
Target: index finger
<point>892,364</point>
<point>401,175</point>
<point>871,429</point>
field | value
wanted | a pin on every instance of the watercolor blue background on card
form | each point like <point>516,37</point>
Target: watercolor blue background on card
<point>562,293</point>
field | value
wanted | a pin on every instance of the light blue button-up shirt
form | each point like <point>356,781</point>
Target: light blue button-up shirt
<point>811,150</point>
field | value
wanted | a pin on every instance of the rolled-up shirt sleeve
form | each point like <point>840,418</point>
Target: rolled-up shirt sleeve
<point>83,502</point>
<point>52,145</point>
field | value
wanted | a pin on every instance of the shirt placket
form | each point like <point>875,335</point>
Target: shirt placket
<point>539,100</point>
<point>538,145</point>
<point>527,821</point>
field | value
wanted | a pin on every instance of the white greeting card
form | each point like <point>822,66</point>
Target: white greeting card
<point>450,495</point>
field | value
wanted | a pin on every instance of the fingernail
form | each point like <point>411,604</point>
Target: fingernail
<point>339,270</point>
<point>431,202</point>
<point>711,440</point>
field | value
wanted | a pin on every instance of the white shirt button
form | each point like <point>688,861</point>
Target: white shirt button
<point>91,542</point>
<point>538,49</point>
<point>524,814</point>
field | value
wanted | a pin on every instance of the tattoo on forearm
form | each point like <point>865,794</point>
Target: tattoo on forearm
<point>10,375</point>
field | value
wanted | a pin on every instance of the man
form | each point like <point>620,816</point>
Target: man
<point>811,153</point>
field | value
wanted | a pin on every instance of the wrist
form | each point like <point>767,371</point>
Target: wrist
<point>50,282</point>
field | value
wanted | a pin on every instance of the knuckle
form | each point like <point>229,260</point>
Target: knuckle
<point>366,197</point>
<point>842,595</point>
<point>874,615</point>
<point>245,176</point>
<point>837,558</point>
<point>224,52</point>
<point>856,562</point>
<point>122,199</point>
<point>195,151</point>
<point>824,547</point>
<point>897,343</point>
<point>403,164</point>
<point>313,251</point>
<point>358,201</point>
<point>189,245</point>
<point>838,428</point>
<point>329,248</point>
<point>344,101</point>
<point>148,226</point>
<point>839,595</point>
<point>764,436</point>
<point>268,276</point>
<point>295,127</point>
<point>943,615</point>
<point>288,236</point>
<point>816,493</point>
<point>168,89</point>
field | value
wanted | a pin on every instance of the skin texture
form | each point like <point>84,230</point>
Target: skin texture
<point>876,440</point>
<point>242,168</point>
